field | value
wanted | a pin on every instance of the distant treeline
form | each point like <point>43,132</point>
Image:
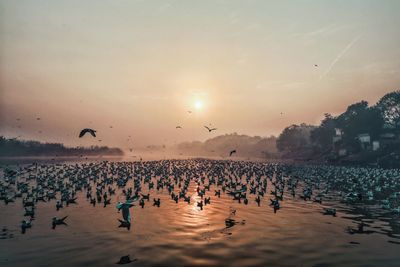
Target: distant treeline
<point>18,148</point>
<point>361,134</point>
<point>220,146</point>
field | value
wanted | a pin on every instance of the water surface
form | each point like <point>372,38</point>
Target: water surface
<point>183,235</point>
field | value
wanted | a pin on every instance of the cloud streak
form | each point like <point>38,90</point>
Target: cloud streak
<point>339,56</point>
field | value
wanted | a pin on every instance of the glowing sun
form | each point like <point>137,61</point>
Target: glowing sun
<point>198,104</point>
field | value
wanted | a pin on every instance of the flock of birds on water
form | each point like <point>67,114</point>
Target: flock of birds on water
<point>247,183</point>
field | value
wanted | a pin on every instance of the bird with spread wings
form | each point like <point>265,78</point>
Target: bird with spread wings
<point>210,129</point>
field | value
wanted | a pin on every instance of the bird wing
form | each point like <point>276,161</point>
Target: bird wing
<point>207,128</point>
<point>82,133</point>
<point>126,214</point>
<point>92,132</point>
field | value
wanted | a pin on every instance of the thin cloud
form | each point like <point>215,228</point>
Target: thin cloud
<point>339,56</point>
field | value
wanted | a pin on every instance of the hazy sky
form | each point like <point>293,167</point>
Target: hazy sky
<point>139,66</point>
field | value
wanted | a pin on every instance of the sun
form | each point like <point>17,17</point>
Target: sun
<point>198,104</point>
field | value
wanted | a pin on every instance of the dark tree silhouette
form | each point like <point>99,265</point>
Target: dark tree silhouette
<point>359,119</point>
<point>323,135</point>
<point>389,107</point>
<point>294,138</point>
<point>14,148</point>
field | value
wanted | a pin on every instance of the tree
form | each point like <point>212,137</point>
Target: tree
<point>294,138</point>
<point>323,135</point>
<point>389,108</point>
<point>359,119</point>
<point>14,147</point>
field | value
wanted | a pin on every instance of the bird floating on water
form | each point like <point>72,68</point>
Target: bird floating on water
<point>56,221</point>
<point>125,260</point>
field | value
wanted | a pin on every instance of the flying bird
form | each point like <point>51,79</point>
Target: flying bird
<point>210,129</point>
<point>315,65</point>
<point>178,127</point>
<point>38,118</point>
<point>232,152</point>
<point>125,210</point>
<point>87,130</point>
<point>189,111</point>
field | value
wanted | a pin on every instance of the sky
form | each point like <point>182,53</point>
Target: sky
<point>141,66</point>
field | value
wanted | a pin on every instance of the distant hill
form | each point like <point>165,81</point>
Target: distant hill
<point>19,148</point>
<point>246,146</point>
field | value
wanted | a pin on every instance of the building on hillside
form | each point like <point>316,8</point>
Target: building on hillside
<point>342,152</point>
<point>365,141</point>
<point>338,136</point>
<point>337,143</point>
<point>388,139</point>
<point>384,141</point>
<point>375,145</point>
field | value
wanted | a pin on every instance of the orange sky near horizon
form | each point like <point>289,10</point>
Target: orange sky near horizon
<point>140,66</point>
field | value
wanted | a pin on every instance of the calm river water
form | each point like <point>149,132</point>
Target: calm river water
<point>184,235</point>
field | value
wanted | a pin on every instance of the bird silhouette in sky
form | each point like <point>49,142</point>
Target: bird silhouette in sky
<point>210,129</point>
<point>178,127</point>
<point>232,152</point>
<point>87,130</point>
